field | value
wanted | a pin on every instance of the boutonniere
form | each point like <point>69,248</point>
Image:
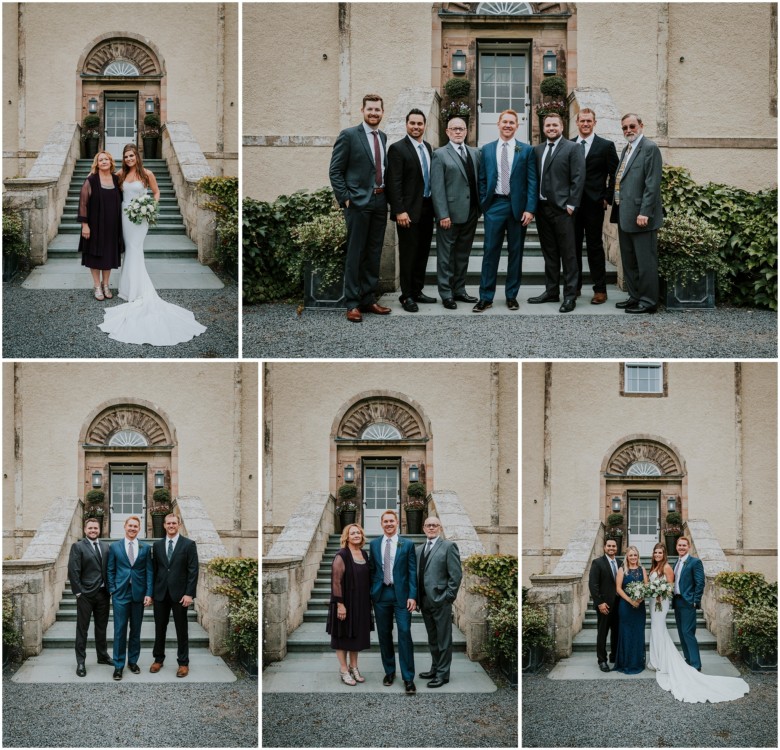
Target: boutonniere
<point>400,543</point>
<point>518,150</point>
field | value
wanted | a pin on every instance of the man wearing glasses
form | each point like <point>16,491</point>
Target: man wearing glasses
<point>638,212</point>
<point>439,574</point>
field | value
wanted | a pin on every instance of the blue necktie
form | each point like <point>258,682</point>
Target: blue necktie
<point>426,176</point>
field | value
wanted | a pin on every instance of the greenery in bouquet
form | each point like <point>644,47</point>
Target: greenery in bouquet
<point>659,589</point>
<point>142,208</point>
<point>636,590</point>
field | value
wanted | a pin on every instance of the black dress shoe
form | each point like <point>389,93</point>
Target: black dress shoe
<point>389,679</point>
<point>640,310</point>
<point>81,670</point>
<point>450,303</point>
<point>410,305</point>
<point>512,304</point>
<point>430,674</point>
<point>544,298</point>
<point>612,658</point>
<point>134,668</point>
<point>603,666</point>
<point>481,306</point>
<point>625,304</point>
<point>105,660</point>
<point>424,299</point>
<point>117,674</point>
<point>409,685</point>
<point>567,306</point>
<point>466,298</point>
<point>438,682</point>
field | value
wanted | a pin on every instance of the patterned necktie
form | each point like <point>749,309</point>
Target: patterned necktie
<point>170,548</point>
<point>131,553</point>
<point>386,564</point>
<point>426,174</point>
<point>677,569</point>
<point>377,160</point>
<point>504,169</point>
<point>619,174</point>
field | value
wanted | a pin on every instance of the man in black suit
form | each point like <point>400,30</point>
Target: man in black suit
<point>408,181</point>
<point>175,566</point>
<point>601,161</point>
<point>88,575</point>
<point>561,168</point>
<point>603,591</point>
<point>357,176</point>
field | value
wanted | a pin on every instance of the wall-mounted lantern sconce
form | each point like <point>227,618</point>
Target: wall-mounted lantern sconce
<point>349,473</point>
<point>97,479</point>
<point>414,473</point>
<point>149,109</point>
<point>459,63</point>
<point>159,479</point>
<point>616,504</point>
<point>550,63</point>
<point>671,504</point>
<point>93,104</point>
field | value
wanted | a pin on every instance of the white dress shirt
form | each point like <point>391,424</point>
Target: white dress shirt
<point>678,569</point>
<point>588,143</point>
<point>171,539</point>
<point>393,548</point>
<point>421,153</point>
<point>510,151</point>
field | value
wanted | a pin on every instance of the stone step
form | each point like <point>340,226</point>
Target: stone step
<point>585,640</point>
<point>162,227</point>
<point>62,635</point>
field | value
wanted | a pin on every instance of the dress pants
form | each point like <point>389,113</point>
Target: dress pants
<point>384,610</point>
<point>438,624</point>
<point>365,237</point>
<point>556,235</point>
<point>589,223</point>
<point>639,253</point>
<point>414,247</point>
<point>124,612</point>
<point>97,604</point>
<point>499,222</point>
<point>685,617</point>
<point>607,625</point>
<point>453,248</point>
<point>162,614</point>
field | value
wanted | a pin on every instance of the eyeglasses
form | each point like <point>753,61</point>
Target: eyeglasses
<point>430,525</point>
<point>630,127</point>
<point>456,130</point>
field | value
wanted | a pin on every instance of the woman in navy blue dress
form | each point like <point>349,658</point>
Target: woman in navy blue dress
<point>630,658</point>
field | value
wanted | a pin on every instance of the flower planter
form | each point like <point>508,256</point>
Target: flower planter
<point>414,520</point>
<point>671,543</point>
<point>509,669</point>
<point>697,294</point>
<point>347,517</point>
<point>249,663</point>
<point>158,525</point>
<point>150,148</point>
<point>91,147</point>
<point>318,295</point>
<point>760,664</point>
<point>533,658</point>
<point>10,266</point>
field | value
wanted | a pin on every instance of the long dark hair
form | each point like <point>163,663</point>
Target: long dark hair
<point>658,566</point>
<point>139,166</point>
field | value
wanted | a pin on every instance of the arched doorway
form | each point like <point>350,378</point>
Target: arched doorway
<point>127,449</point>
<point>382,441</point>
<point>121,78</point>
<point>644,478</point>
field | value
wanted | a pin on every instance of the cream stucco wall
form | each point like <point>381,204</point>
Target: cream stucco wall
<point>302,400</point>
<point>212,408</point>
<point>532,495</point>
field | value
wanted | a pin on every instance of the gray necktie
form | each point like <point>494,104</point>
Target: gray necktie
<point>505,168</point>
<point>170,548</point>
<point>462,152</point>
<point>386,564</point>
<point>131,552</point>
<point>426,175</point>
<point>613,565</point>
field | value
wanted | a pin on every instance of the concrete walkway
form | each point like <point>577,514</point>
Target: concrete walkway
<point>166,273</point>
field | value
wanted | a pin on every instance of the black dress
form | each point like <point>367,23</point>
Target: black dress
<point>350,585</point>
<point>101,209</point>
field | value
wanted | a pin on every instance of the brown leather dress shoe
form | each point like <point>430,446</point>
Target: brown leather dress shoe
<point>182,671</point>
<point>376,309</point>
<point>354,316</point>
<point>155,668</point>
<point>599,298</point>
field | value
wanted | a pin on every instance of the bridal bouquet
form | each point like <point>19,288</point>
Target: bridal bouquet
<point>636,590</point>
<point>661,589</point>
<point>142,208</point>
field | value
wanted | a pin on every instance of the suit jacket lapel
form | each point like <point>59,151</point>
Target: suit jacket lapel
<point>455,157</point>
<point>631,161</point>
<point>516,159</point>
<point>413,151</point>
<point>361,134</point>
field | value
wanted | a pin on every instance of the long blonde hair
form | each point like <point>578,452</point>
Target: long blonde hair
<point>345,535</point>
<point>625,559</point>
<point>94,169</point>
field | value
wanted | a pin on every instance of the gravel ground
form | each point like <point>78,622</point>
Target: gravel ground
<point>277,331</point>
<point>100,716</point>
<point>64,324</point>
<point>637,713</point>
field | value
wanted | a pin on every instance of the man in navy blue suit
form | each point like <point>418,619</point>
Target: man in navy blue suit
<point>393,571</point>
<point>688,591</point>
<point>508,195</point>
<point>130,586</point>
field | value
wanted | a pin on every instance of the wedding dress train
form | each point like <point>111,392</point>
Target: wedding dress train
<point>145,318</point>
<point>674,675</point>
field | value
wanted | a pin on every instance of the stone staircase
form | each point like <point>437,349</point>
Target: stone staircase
<point>168,239</point>
<point>311,637</point>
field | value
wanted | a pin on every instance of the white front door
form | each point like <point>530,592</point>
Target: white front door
<point>381,492</point>
<point>643,524</point>
<point>121,123</point>
<point>128,498</point>
<point>503,84</point>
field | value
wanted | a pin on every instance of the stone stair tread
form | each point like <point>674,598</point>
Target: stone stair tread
<point>312,634</point>
<point>70,242</point>
<point>588,636</point>
<point>63,633</point>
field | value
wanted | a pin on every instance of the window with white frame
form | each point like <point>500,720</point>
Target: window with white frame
<point>644,377</point>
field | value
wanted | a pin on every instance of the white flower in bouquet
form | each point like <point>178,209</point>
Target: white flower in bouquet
<point>661,589</point>
<point>142,208</point>
<point>636,590</point>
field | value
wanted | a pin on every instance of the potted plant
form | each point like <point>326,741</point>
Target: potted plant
<point>346,506</point>
<point>689,262</point>
<point>90,135</point>
<point>11,636</point>
<point>414,506</point>
<point>323,245</point>
<point>94,506</point>
<point>536,640</point>
<point>15,246</point>
<point>161,508</point>
<point>553,90</point>
<point>456,91</point>
<point>672,531</point>
<point>151,135</point>
<point>615,529</point>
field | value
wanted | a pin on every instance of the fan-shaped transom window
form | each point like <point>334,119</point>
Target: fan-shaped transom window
<point>644,469</point>
<point>381,431</point>
<point>121,68</point>
<point>504,9</point>
<point>128,439</point>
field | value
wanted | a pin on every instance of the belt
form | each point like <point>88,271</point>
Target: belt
<point>388,585</point>
<point>379,191</point>
<point>505,196</point>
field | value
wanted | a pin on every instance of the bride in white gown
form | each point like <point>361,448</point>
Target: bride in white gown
<point>145,318</point>
<point>671,672</point>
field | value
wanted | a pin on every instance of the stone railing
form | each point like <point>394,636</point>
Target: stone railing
<point>187,166</point>
<point>290,569</point>
<point>210,607</point>
<point>36,581</point>
<point>40,195</point>
<point>564,592</point>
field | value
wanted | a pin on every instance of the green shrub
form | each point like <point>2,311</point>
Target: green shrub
<point>223,201</point>
<point>322,242</point>
<point>535,632</point>
<point>347,491</point>
<point>755,629</point>
<point>747,589</point>
<point>91,121</point>
<point>152,120</point>
<point>615,519</point>
<point>14,235</point>
<point>11,636</point>
<point>272,265</point>
<point>95,496</point>
<point>457,88</point>
<point>241,574</point>
<point>688,247</point>
<point>554,87</point>
<point>416,489</point>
